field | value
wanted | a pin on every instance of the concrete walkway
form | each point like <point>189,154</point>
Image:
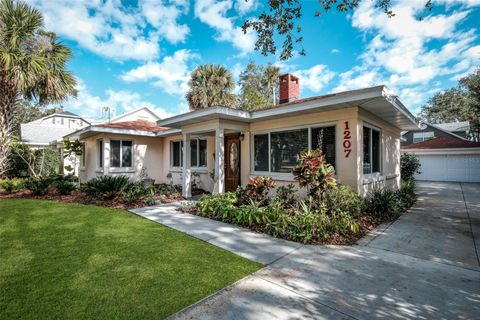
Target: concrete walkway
<point>422,266</point>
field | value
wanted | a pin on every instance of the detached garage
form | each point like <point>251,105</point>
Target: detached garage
<point>447,159</point>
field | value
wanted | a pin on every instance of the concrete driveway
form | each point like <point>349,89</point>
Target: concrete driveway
<point>423,266</point>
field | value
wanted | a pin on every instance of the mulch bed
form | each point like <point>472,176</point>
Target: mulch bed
<point>81,198</point>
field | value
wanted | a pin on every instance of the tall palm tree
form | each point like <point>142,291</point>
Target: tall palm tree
<point>210,85</point>
<point>271,77</point>
<point>32,66</point>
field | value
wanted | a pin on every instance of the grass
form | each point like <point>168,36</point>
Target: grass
<point>60,260</point>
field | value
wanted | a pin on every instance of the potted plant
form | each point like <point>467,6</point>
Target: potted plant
<point>145,178</point>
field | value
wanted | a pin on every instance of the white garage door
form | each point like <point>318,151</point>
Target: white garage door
<point>464,168</point>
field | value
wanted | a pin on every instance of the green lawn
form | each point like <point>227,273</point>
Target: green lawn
<point>61,260</point>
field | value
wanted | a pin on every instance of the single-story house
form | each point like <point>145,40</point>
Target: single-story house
<point>427,131</point>
<point>220,148</point>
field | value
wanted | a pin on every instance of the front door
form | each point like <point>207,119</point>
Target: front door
<point>232,162</point>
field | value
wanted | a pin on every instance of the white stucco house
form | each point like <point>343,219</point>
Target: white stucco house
<point>358,131</point>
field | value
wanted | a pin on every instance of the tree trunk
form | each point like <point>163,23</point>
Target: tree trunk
<point>8,99</point>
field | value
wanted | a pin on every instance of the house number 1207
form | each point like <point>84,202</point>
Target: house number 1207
<point>347,143</point>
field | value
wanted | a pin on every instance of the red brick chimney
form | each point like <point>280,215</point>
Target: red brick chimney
<point>289,88</point>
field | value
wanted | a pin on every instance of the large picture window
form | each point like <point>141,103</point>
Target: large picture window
<point>121,153</point>
<point>279,151</point>
<point>198,153</point>
<point>371,150</point>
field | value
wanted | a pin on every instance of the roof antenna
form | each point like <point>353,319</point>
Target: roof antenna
<point>107,111</point>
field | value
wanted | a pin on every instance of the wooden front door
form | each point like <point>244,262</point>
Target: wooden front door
<point>232,162</point>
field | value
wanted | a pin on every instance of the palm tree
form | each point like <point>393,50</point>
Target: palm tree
<point>210,85</point>
<point>32,66</point>
<point>271,76</point>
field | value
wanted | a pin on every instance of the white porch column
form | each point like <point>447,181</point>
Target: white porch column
<point>187,172</point>
<point>219,161</point>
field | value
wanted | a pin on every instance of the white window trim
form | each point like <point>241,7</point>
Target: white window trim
<point>100,168</point>
<point>83,157</point>
<point>200,169</point>
<point>283,175</point>
<point>377,175</point>
<point>122,169</point>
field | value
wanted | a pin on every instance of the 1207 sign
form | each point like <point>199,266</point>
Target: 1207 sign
<point>347,140</point>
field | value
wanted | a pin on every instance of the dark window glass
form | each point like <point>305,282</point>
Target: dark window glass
<point>285,147</point>
<point>193,153</point>
<point>126,153</point>
<point>115,153</point>
<point>367,165</point>
<point>100,154</point>
<point>176,150</point>
<point>260,153</point>
<point>202,153</point>
<point>324,139</point>
<point>375,151</point>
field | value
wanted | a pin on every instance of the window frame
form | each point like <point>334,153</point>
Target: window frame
<point>285,175</point>
<point>422,133</point>
<point>380,156</point>
<point>121,167</point>
<point>83,157</point>
<point>100,154</point>
<point>172,167</point>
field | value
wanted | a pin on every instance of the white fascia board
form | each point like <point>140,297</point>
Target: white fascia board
<point>443,151</point>
<point>447,132</point>
<point>212,111</point>
<point>98,129</point>
<point>168,132</point>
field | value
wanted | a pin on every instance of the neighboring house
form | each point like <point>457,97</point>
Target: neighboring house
<point>358,130</point>
<point>447,158</point>
<point>42,132</point>
<point>429,131</point>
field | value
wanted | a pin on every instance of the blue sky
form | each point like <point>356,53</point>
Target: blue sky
<point>129,54</point>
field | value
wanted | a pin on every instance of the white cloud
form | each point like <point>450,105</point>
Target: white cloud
<point>335,50</point>
<point>315,78</point>
<point>113,30</point>
<point>89,105</point>
<point>214,14</point>
<point>245,6</point>
<point>171,75</point>
<point>400,53</point>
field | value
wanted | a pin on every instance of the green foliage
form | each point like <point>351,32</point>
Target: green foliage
<point>169,190</point>
<point>461,103</point>
<point>383,204</point>
<point>280,22</point>
<point>256,190</point>
<point>313,172</point>
<point>38,162</point>
<point>39,186</point>
<point>12,185</point>
<point>105,187</point>
<point>72,149</point>
<point>343,199</point>
<point>64,184</point>
<point>259,86</point>
<point>285,196</point>
<point>210,85</point>
<point>406,194</point>
<point>133,192</point>
<point>409,166</point>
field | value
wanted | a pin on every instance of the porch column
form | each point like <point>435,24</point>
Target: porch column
<point>187,172</point>
<point>219,161</point>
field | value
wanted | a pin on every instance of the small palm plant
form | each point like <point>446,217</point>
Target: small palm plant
<point>314,173</point>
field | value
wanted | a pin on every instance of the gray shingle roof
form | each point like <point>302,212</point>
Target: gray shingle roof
<point>40,134</point>
<point>454,126</point>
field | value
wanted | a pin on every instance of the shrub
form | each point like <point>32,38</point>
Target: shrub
<point>133,192</point>
<point>219,206</point>
<point>105,187</point>
<point>314,173</point>
<point>383,204</point>
<point>256,190</point>
<point>406,194</point>
<point>343,199</point>
<point>169,190</point>
<point>39,186</point>
<point>12,185</point>
<point>409,166</point>
<point>64,186</point>
<point>285,196</point>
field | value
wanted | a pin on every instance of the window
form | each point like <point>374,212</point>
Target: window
<point>53,120</point>
<point>279,151</point>
<point>61,120</point>
<point>285,148</point>
<point>100,153</point>
<point>82,159</point>
<point>198,153</point>
<point>371,150</point>
<point>423,136</point>
<point>121,153</point>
